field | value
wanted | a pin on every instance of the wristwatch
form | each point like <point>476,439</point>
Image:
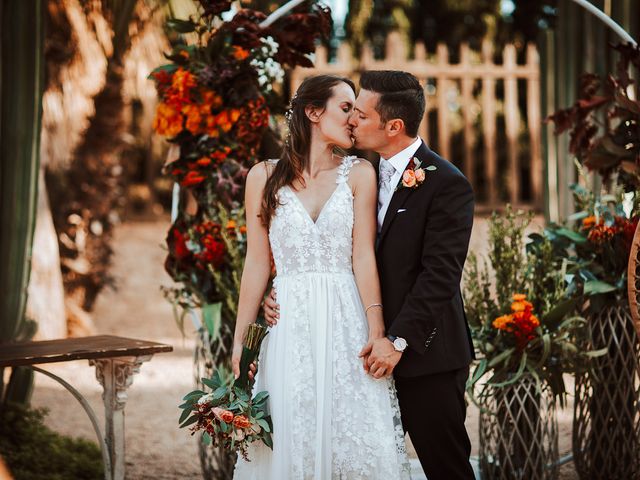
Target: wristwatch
<point>399,343</point>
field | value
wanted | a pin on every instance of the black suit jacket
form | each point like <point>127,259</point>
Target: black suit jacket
<point>421,252</point>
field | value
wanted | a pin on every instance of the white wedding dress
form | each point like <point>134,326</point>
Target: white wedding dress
<point>330,419</point>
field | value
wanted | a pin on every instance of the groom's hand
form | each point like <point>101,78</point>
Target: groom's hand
<point>383,358</point>
<point>271,308</point>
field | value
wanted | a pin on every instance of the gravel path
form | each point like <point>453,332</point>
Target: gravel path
<point>156,448</point>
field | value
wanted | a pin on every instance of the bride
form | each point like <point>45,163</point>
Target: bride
<point>316,213</point>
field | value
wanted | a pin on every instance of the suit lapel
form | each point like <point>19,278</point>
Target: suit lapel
<point>397,201</point>
<point>401,196</point>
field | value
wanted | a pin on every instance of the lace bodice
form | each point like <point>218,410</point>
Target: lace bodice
<point>300,245</point>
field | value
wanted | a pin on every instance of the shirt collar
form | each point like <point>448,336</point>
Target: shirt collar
<point>401,159</point>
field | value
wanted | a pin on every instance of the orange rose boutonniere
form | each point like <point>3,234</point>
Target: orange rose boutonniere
<point>414,175</point>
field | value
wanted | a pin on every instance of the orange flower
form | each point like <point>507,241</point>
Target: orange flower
<point>219,156</point>
<point>503,322</point>
<point>223,120</point>
<point>409,178</point>
<point>588,222</point>
<point>243,229</point>
<point>167,121</point>
<point>193,118</point>
<point>223,415</point>
<point>183,81</point>
<point>204,161</point>
<point>521,306</point>
<point>534,320</point>
<point>212,126</point>
<point>518,297</point>
<point>235,114</point>
<point>601,234</point>
<point>239,53</point>
<point>210,99</point>
<point>241,421</point>
<point>231,225</point>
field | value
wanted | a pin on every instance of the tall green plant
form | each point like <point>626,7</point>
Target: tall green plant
<point>21,81</point>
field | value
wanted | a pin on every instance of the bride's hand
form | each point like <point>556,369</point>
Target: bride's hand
<point>366,350</point>
<point>235,359</point>
<point>235,363</point>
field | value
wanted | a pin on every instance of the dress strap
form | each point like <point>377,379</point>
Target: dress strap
<point>345,167</point>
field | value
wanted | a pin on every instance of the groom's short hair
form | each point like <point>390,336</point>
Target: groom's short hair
<point>401,96</point>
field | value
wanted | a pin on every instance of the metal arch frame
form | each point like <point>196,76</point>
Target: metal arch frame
<point>106,459</point>
<point>607,20</point>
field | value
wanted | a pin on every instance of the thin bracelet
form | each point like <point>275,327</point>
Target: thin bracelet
<point>372,305</point>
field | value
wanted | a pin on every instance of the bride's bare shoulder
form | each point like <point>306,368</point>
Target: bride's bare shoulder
<point>362,170</point>
<point>260,172</point>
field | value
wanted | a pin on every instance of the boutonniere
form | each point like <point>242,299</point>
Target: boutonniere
<point>414,175</point>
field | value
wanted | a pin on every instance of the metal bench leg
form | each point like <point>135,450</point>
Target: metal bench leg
<point>116,375</point>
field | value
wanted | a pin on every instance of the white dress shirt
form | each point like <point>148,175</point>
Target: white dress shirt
<point>399,161</point>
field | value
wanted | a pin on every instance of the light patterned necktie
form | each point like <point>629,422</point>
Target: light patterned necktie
<point>386,173</point>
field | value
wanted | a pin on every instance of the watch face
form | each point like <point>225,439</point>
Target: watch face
<point>400,344</point>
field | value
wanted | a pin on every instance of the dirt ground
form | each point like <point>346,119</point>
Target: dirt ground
<point>156,448</point>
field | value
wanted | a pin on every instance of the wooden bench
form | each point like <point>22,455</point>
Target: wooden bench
<point>116,360</point>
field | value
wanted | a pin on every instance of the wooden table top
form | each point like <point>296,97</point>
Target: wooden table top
<point>66,349</point>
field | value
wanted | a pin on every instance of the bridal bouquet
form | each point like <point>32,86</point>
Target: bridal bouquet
<point>228,416</point>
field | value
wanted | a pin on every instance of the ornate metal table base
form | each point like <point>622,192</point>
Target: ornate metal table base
<point>115,375</point>
<point>116,360</point>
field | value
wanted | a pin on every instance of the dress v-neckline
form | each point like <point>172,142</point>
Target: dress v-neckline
<point>324,207</point>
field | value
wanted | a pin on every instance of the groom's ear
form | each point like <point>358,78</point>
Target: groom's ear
<point>394,127</point>
<point>312,113</point>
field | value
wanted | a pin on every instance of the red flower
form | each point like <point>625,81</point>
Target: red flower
<point>192,178</point>
<point>180,249</point>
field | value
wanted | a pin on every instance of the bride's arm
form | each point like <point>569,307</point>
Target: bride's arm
<point>257,265</point>
<point>365,269</point>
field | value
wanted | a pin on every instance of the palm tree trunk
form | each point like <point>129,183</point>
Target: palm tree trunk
<point>98,171</point>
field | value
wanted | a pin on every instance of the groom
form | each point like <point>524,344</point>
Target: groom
<point>425,215</point>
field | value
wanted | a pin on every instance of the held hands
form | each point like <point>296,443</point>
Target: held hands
<point>379,358</point>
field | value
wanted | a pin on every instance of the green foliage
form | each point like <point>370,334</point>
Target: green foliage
<point>504,274</point>
<point>373,20</point>
<point>521,318</point>
<point>506,234</point>
<point>448,21</point>
<point>594,245</point>
<point>34,452</point>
